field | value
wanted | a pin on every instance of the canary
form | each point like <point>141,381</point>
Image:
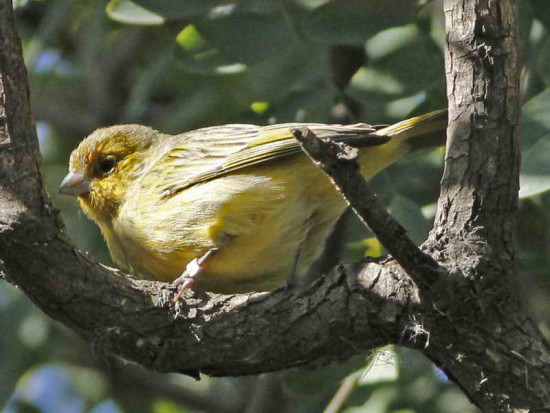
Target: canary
<point>241,203</point>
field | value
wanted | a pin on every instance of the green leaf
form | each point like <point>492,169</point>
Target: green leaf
<point>127,11</point>
<point>541,11</point>
<point>357,250</point>
<point>150,12</point>
<point>323,381</point>
<point>167,406</point>
<point>198,55</point>
<point>352,21</point>
<point>535,119</point>
<point>379,401</point>
<point>247,37</point>
<point>409,214</point>
<point>228,43</point>
<point>381,368</point>
<point>535,166</point>
<point>391,41</point>
<point>259,107</point>
<point>310,4</point>
<point>273,79</point>
<point>406,66</point>
<point>409,56</point>
<point>312,104</point>
<point>543,61</point>
<point>370,79</point>
<point>535,169</point>
<point>525,16</point>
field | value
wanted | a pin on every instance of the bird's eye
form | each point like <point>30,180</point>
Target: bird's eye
<point>106,165</point>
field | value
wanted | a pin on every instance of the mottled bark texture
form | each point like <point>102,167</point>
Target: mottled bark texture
<point>464,315</point>
<point>483,337</point>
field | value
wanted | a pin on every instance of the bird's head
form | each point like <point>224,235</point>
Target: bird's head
<point>103,167</point>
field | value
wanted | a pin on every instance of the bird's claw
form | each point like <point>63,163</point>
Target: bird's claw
<point>194,268</point>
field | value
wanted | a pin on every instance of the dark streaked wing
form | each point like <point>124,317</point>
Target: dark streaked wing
<point>208,153</point>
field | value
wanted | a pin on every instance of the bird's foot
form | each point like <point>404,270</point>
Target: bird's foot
<point>194,268</point>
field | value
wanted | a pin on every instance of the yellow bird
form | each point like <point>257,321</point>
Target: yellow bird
<point>233,208</point>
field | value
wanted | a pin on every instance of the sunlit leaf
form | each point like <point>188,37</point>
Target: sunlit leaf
<point>127,11</point>
<point>168,406</point>
<point>159,11</point>
<point>370,79</point>
<point>391,40</point>
<point>382,368</point>
<point>412,58</point>
<point>311,4</point>
<point>374,247</point>
<point>259,107</point>
<point>228,43</point>
<point>198,55</point>
<point>33,331</point>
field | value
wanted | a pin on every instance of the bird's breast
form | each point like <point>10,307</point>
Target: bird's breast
<point>267,225</point>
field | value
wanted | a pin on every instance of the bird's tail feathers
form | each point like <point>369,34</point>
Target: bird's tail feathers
<point>420,132</point>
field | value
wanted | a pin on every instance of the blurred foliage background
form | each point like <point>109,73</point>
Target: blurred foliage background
<point>180,65</point>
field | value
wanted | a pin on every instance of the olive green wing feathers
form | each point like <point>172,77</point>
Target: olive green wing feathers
<point>206,154</point>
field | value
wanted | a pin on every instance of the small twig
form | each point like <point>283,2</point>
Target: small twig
<point>339,162</point>
<point>338,402</point>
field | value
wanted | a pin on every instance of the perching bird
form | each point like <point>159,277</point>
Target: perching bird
<point>241,203</point>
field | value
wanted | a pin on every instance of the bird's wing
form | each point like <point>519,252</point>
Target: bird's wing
<point>205,154</point>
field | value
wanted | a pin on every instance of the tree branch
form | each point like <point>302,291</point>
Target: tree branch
<point>339,162</point>
<point>481,179</point>
<point>473,234</point>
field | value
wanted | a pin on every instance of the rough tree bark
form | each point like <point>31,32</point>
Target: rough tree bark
<point>498,355</point>
<point>463,313</point>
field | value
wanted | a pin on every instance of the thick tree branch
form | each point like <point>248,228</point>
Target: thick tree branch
<point>476,217</point>
<point>481,179</point>
<point>220,335</point>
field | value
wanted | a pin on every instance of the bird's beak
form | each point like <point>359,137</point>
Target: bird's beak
<point>74,184</point>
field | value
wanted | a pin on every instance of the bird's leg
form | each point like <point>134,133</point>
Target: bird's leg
<point>194,268</point>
